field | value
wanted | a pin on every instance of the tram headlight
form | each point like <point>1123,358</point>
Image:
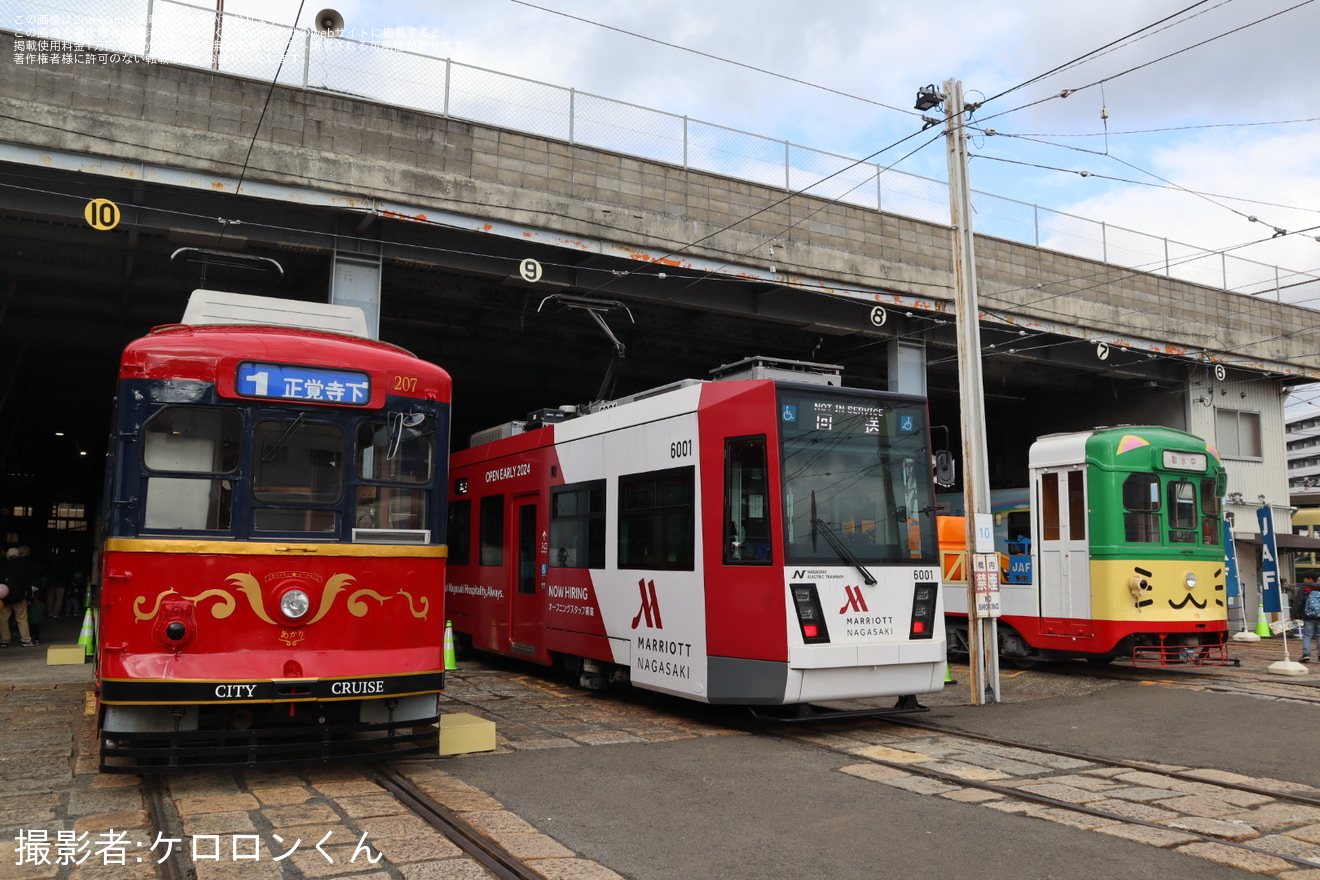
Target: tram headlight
<point>294,604</point>
<point>1190,580</point>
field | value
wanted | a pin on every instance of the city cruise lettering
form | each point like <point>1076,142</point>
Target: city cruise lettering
<point>338,689</point>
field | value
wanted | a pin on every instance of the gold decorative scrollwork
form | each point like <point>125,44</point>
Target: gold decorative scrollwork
<point>332,589</point>
<point>247,585</point>
<point>357,607</point>
<point>412,609</point>
<point>137,605</point>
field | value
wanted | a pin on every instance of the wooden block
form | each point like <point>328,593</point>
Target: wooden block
<point>461,734</point>
<point>65,655</point>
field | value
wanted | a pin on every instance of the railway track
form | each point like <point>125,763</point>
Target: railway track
<point>470,841</point>
<point>1203,813</point>
<point>495,858</point>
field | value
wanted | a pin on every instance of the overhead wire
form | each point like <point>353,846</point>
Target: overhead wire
<point>1203,127</point>
<point>1198,45</point>
<point>721,59</point>
<point>1095,53</point>
<point>789,197</point>
<point>265,106</point>
<point>984,157</point>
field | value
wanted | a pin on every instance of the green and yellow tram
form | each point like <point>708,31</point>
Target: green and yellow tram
<point>1126,553</point>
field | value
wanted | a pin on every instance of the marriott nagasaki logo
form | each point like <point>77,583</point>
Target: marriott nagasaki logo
<point>650,606</point>
<point>658,656</point>
<point>856,601</point>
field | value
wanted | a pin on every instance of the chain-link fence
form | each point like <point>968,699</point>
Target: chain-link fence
<point>135,31</point>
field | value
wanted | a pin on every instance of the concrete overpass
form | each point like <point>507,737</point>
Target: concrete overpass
<point>426,219</point>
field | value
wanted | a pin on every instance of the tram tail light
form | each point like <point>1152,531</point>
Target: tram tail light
<point>811,619</point>
<point>175,625</point>
<point>923,611</point>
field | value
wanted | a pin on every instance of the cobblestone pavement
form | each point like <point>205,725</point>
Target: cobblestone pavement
<point>1170,807</point>
<point>324,823</point>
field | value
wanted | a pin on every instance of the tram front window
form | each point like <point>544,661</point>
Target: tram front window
<point>856,480</point>
<point>398,449</point>
<point>199,447</point>
<point>297,471</point>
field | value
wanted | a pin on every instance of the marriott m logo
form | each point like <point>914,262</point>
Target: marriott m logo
<point>650,606</point>
<point>856,601</point>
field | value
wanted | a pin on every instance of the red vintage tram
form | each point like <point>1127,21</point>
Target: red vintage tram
<point>273,556</point>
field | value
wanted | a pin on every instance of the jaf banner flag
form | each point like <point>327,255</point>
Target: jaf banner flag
<point>1230,563</point>
<point>1269,561</point>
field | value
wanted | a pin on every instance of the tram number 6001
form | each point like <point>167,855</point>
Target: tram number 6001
<point>681,449</point>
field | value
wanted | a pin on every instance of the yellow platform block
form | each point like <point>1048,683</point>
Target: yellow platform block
<point>461,734</point>
<point>65,655</point>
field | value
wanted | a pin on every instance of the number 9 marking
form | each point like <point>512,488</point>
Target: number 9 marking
<point>530,270</point>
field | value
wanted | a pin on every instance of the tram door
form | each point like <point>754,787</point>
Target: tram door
<point>1063,569</point>
<point>528,608</point>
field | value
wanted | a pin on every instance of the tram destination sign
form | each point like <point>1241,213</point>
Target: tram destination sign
<point>1184,461</point>
<point>294,382</point>
<point>841,414</point>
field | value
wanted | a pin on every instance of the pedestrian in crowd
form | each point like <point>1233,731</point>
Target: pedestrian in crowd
<point>73,596</point>
<point>57,580</point>
<point>19,572</point>
<point>1306,608</point>
<point>36,616</point>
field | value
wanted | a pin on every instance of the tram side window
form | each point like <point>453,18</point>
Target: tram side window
<point>202,442</point>
<point>492,530</point>
<point>657,520</point>
<point>460,532</point>
<point>396,450</point>
<point>1210,514</point>
<point>747,520</point>
<point>1141,504</point>
<point>577,525</point>
<point>1049,507</point>
<point>1076,506</point>
<point>297,469</point>
<point>1182,512</point>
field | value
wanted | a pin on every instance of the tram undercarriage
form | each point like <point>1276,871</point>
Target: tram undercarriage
<point>1142,649</point>
<point>168,739</point>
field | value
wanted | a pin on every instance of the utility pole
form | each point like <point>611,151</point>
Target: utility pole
<point>982,565</point>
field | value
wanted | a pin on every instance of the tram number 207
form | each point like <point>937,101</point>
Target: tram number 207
<point>681,449</point>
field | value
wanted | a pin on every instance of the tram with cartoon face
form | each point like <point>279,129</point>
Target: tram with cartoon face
<point>1114,550</point>
<point>763,539</point>
<point>272,565</point>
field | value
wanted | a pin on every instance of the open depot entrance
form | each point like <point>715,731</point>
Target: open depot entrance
<point>74,296</point>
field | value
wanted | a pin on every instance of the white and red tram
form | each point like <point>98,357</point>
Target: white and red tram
<point>765,539</point>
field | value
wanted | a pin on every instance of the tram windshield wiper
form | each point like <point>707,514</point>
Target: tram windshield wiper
<point>837,545</point>
<point>284,438</point>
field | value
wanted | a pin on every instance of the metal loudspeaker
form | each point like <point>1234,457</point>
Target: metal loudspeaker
<point>329,23</point>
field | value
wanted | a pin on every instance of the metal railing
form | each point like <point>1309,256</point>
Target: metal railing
<point>144,31</point>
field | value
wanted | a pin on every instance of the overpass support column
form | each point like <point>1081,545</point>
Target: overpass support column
<point>907,367</point>
<point>355,281</point>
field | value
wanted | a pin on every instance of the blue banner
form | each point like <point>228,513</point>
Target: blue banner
<point>1230,562</point>
<point>1270,594</point>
